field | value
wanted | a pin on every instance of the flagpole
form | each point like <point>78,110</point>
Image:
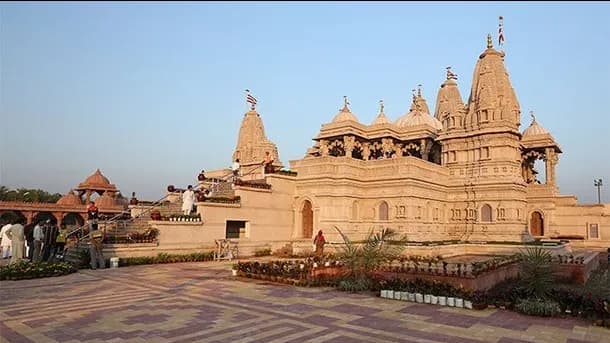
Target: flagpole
<point>501,32</point>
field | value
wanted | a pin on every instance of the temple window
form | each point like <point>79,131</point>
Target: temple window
<point>486,213</point>
<point>383,211</point>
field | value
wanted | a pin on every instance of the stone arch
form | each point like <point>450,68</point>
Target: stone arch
<point>43,216</point>
<point>72,220</point>
<point>11,215</point>
<point>383,211</point>
<point>307,219</point>
<point>537,223</point>
<point>486,213</point>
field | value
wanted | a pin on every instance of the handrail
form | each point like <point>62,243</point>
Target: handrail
<point>154,205</point>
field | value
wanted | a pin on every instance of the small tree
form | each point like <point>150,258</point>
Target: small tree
<point>361,259</point>
<point>537,275</point>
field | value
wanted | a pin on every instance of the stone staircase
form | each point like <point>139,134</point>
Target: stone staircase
<point>78,255</point>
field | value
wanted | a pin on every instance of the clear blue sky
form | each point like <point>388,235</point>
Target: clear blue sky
<point>153,93</point>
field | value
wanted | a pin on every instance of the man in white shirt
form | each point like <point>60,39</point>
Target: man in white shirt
<point>6,241</point>
<point>188,200</point>
<point>235,168</point>
<point>38,237</point>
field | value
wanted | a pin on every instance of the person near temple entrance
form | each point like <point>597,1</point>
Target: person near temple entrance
<point>5,241</point>
<point>201,176</point>
<point>268,162</point>
<point>188,200</point>
<point>93,214</point>
<point>60,242</point>
<point>29,238</point>
<point>17,236</point>
<point>319,241</point>
<point>50,236</point>
<point>235,168</point>
<point>38,237</point>
<point>95,250</point>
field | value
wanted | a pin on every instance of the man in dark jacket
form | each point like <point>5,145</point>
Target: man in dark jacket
<point>50,236</point>
<point>29,237</point>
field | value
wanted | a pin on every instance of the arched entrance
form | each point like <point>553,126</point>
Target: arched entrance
<point>307,220</point>
<point>72,220</point>
<point>43,216</point>
<point>537,224</point>
<point>9,216</point>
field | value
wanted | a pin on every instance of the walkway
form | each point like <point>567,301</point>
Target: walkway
<point>202,302</point>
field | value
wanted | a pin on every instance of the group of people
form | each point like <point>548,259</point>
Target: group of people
<point>40,241</point>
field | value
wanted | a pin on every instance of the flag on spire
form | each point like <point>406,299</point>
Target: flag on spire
<point>500,32</point>
<point>250,99</point>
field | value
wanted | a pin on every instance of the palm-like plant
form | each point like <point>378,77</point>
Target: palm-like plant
<point>377,249</point>
<point>537,275</point>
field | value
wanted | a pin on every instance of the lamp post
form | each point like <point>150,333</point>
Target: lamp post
<point>598,184</point>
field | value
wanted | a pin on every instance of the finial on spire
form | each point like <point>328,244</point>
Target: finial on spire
<point>450,74</point>
<point>533,116</point>
<point>251,100</point>
<point>414,95</point>
<point>381,106</point>
<point>489,42</point>
<point>419,90</point>
<point>345,104</point>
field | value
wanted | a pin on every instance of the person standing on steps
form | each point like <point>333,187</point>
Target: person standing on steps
<point>235,168</point>
<point>93,214</point>
<point>95,250</point>
<point>188,200</point>
<point>5,241</point>
<point>319,241</point>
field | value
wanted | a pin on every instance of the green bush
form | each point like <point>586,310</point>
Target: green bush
<point>536,275</point>
<point>29,270</point>
<point>166,258</point>
<point>354,285</point>
<point>538,307</point>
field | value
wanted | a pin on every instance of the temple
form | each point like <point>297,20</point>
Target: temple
<point>465,172</point>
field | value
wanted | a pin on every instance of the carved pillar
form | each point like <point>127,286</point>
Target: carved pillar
<point>88,196</point>
<point>425,149</point>
<point>366,151</point>
<point>550,164</point>
<point>348,145</point>
<point>323,147</point>
<point>59,216</point>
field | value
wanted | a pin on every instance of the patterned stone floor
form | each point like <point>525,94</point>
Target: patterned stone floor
<point>202,302</point>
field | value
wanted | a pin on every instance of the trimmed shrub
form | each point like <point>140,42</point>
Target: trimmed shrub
<point>29,270</point>
<point>538,307</point>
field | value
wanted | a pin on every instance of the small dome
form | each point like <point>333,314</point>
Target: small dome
<point>105,201</point>
<point>70,199</point>
<point>344,115</point>
<point>534,129</point>
<point>96,179</point>
<point>416,118</point>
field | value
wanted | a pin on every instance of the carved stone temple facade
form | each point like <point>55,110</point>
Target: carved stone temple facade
<point>462,172</point>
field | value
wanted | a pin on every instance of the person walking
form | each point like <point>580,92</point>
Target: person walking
<point>48,241</point>
<point>17,236</point>
<point>93,214</point>
<point>188,200</point>
<point>319,241</point>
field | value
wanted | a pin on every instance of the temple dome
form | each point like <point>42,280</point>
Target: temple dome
<point>69,199</point>
<point>96,180</point>
<point>344,115</point>
<point>105,201</point>
<point>534,129</point>
<point>417,118</point>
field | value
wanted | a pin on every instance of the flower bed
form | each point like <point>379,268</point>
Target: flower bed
<point>29,270</point>
<point>295,272</point>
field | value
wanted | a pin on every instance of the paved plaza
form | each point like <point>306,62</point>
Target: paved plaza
<point>202,302</point>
